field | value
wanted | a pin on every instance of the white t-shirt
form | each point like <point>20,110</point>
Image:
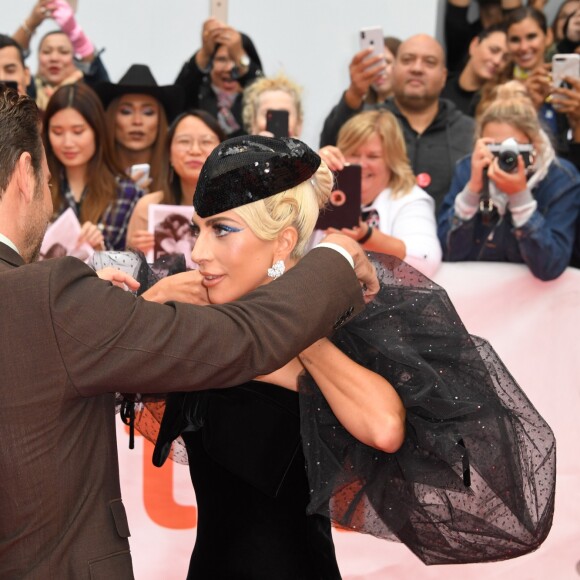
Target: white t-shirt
<point>410,218</point>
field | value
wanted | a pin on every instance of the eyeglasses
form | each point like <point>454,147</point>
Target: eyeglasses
<point>185,143</point>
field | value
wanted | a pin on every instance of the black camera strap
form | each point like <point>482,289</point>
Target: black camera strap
<point>485,203</point>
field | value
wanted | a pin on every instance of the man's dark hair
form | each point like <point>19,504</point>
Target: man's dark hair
<point>20,133</point>
<point>6,41</point>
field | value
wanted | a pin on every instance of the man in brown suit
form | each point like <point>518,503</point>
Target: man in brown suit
<point>69,340</point>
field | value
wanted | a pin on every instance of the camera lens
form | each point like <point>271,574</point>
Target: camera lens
<point>508,161</point>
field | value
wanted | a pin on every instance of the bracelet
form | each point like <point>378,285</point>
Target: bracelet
<point>366,237</point>
<point>26,29</point>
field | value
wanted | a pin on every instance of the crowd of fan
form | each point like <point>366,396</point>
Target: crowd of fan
<point>433,131</point>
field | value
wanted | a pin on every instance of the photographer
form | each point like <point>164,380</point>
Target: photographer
<point>213,79</point>
<point>523,212</point>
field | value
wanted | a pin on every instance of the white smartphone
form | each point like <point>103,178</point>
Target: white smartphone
<point>565,65</point>
<point>219,9</point>
<point>372,38</point>
<point>139,173</point>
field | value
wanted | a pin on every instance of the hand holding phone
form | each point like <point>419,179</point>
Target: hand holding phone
<point>139,173</point>
<point>343,209</point>
<point>277,121</point>
<point>372,38</point>
<point>218,9</point>
<point>564,65</point>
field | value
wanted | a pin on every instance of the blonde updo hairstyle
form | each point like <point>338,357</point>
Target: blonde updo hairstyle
<point>297,207</point>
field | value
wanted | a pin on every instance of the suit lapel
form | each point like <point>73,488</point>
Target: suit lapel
<point>9,258</point>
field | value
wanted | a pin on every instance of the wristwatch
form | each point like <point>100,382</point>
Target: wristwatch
<point>244,61</point>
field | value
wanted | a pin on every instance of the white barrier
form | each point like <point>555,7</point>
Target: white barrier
<point>534,326</point>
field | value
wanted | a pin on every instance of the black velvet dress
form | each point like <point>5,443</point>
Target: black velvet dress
<point>474,480</point>
<point>248,471</point>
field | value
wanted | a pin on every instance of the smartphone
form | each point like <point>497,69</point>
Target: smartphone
<point>139,173</point>
<point>343,208</point>
<point>372,38</point>
<point>218,9</point>
<point>565,65</point>
<point>277,122</point>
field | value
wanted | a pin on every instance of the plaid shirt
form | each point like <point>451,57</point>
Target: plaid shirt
<point>115,218</point>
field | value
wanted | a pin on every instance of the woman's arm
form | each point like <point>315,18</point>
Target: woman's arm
<point>365,403</point>
<point>414,224</point>
<point>455,232</point>
<point>40,11</point>
<point>138,235</point>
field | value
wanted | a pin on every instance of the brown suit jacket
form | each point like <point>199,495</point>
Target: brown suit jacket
<point>69,340</point>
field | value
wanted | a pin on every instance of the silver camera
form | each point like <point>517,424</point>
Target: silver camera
<point>507,154</point>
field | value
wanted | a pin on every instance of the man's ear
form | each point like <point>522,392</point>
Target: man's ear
<point>286,242</point>
<point>24,174</point>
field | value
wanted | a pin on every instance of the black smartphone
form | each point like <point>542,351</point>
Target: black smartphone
<point>277,122</point>
<point>343,208</point>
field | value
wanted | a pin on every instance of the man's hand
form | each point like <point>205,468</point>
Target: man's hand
<point>364,270</point>
<point>183,287</point>
<point>364,70</point>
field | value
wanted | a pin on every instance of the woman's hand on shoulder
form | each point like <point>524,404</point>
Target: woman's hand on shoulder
<point>183,287</point>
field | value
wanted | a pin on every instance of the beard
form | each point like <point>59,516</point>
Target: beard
<point>36,228</point>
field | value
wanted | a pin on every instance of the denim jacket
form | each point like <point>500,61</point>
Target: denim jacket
<point>544,242</point>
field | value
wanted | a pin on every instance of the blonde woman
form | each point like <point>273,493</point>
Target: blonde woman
<point>327,435</point>
<point>523,214</point>
<point>398,217</point>
<point>278,93</point>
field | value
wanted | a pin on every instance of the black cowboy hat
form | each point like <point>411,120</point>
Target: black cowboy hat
<point>139,80</point>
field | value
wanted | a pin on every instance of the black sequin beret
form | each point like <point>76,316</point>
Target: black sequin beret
<point>251,167</point>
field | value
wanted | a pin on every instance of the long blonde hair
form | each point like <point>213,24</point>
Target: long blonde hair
<point>297,207</point>
<point>356,131</point>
